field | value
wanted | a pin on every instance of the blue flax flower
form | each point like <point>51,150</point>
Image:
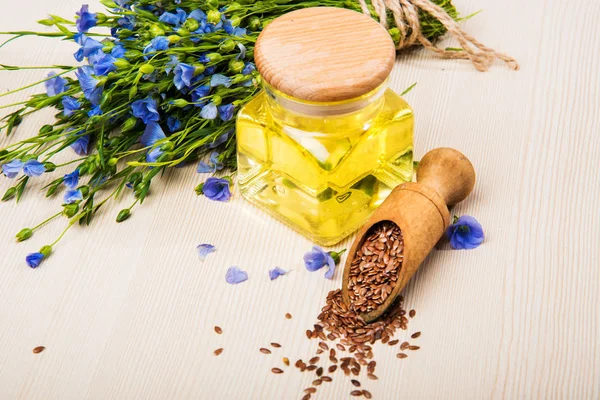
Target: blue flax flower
<point>88,47</point>
<point>90,85</point>
<point>465,233</point>
<point>317,258</point>
<point>173,61</point>
<point>12,169</point>
<point>248,68</point>
<point>34,259</point>
<point>200,92</point>
<point>86,19</point>
<point>209,111</point>
<point>235,275</point>
<point>72,196</point>
<point>220,80</point>
<point>94,111</point>
<point>204,250</point>
<point>237,31</point>
<point>216,189</point>
<point>104,64</point>
<point>276,273</point>
<point>56,85</point>
<point>33,168</point>
<point>183,75</point>
<point>70,105</point>
<point>146,110</point>
<point>198,15</point>
<point>213,166</point>
<point>152,134</point>
<point>221,139</point>
<point>174,19</point>
<point>71,180</point>
<point>80,146</point>
<point>226,111</point>
<point>159,43</point>
<point>173,124</point>
<point>118,51</point>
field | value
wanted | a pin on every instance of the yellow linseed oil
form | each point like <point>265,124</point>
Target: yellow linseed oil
<point>323,168</point>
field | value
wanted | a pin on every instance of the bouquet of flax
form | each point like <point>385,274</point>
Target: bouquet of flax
<point>157,85</point>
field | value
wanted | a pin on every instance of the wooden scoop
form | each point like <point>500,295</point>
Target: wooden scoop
<point>420,209</point>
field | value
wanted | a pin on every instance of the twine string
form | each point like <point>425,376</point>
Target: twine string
<point>406,18</point>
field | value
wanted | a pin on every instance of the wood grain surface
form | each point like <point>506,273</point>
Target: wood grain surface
<point>126,311</point>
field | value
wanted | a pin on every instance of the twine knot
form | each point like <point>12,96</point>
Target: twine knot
<point>406,17</point>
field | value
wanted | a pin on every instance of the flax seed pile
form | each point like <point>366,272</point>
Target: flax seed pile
<point>373,274</point>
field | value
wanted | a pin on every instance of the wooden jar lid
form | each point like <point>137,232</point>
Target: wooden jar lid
<point>324,54</point>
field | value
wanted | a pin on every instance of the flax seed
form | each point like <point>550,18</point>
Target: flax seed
<point>38,349</point>
<point>265,351</point>
<point>412,313</point>
<point>401,355</point>
<point>218,351</point>
<point>286,361</point>
<point>319,371</point>
<point>372,376</point>
<point>415,335</point>
<point>355,382</point>
<point>332,369</point>
<point>413,347</point>
<point>218,330</point>
<point>314,360</point>
<point>317,382</point>
<point>356,393</point>
<point>326,378</point>
<point>276,370</point>
<point>288,316</point>
<point>306,397</point>
<point>277,345</point>
<point>393,342</point>
<point>367,394</point>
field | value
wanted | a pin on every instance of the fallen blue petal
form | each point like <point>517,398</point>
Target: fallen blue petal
<point>235,275</point>
<point>276,273</point>
<point>204,250</point>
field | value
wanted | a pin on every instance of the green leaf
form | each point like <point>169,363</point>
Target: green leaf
<point>408,89</point>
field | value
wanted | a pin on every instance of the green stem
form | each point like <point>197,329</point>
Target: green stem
<point>46,221</point>
<point>71,223</point>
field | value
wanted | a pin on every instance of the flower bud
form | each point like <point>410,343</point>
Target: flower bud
<point>183,32</point>
<point>101,18</point>
<point>167,146</point>
<point>123,215</point>
<point>108,46</point>
<point>213,17</point>
<point>46,22</point>
<point>227,45</point>
<point>46,129</point>
<point>9,194</point>
<point>233,6</point>
<point>46,250</point>
<point>148,86</point>
<point>133,54</point>
<point>179,102</point>
<point>199,188</point>
<point>124,34</point>
<point>112,161</point>
<point>132,92</point>
<point>236,66</point>
<point>105,99</point>
<point>146,69</point>
<point>128,124</point>
<point>51,190</point>
<point>49,166</point>
<point>85,190</point>
<point>156,30</point>
<point>174,39</point>
<point>191,24</point>
<point>235,20</point>
<point>214,57</point>
<point>70,209</point>
<point>25,234</point>
<point>254,23</point>
<point>122,63</point>
<point>216,99</point>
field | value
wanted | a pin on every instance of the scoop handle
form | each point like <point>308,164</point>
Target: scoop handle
<point>448,172</point>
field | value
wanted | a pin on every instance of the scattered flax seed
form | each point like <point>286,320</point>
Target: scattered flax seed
<point>311,367</point>
<point>340,347</point>
<point>415,335</point>
<point>277,345</point>
<point>288,316</point>
<point>401,355</point>
<point>333,359</point>
<point>356,393</point>
<point>314,360</point>
<point>404,346</point>
<point>310,390</point>
<point>371,366</point>
<point>218,330</point>
<point>326,378</point>
<point>412,313</point>
<point>218,351</point>
<point>413,347</point>
<point>355,382</point>
<point>320,351</point>
<point>324,346</point>
<point>265,351</point>
<point>308,333</point>
<point>276,370</point>
<point>331,336</point>
<point>317,382</point>
<point>332,369</point>
<point>306,397</point>
<point>372,376</point>
<point>286,361</point>
<point>393,342</point>
<point>38,349</point>
<point>367,394</point>
<point>319,371</point>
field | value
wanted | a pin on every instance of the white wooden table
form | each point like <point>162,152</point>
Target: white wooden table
<point>126,311</point>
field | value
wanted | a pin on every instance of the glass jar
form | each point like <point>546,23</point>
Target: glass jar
<point>323,167</point>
